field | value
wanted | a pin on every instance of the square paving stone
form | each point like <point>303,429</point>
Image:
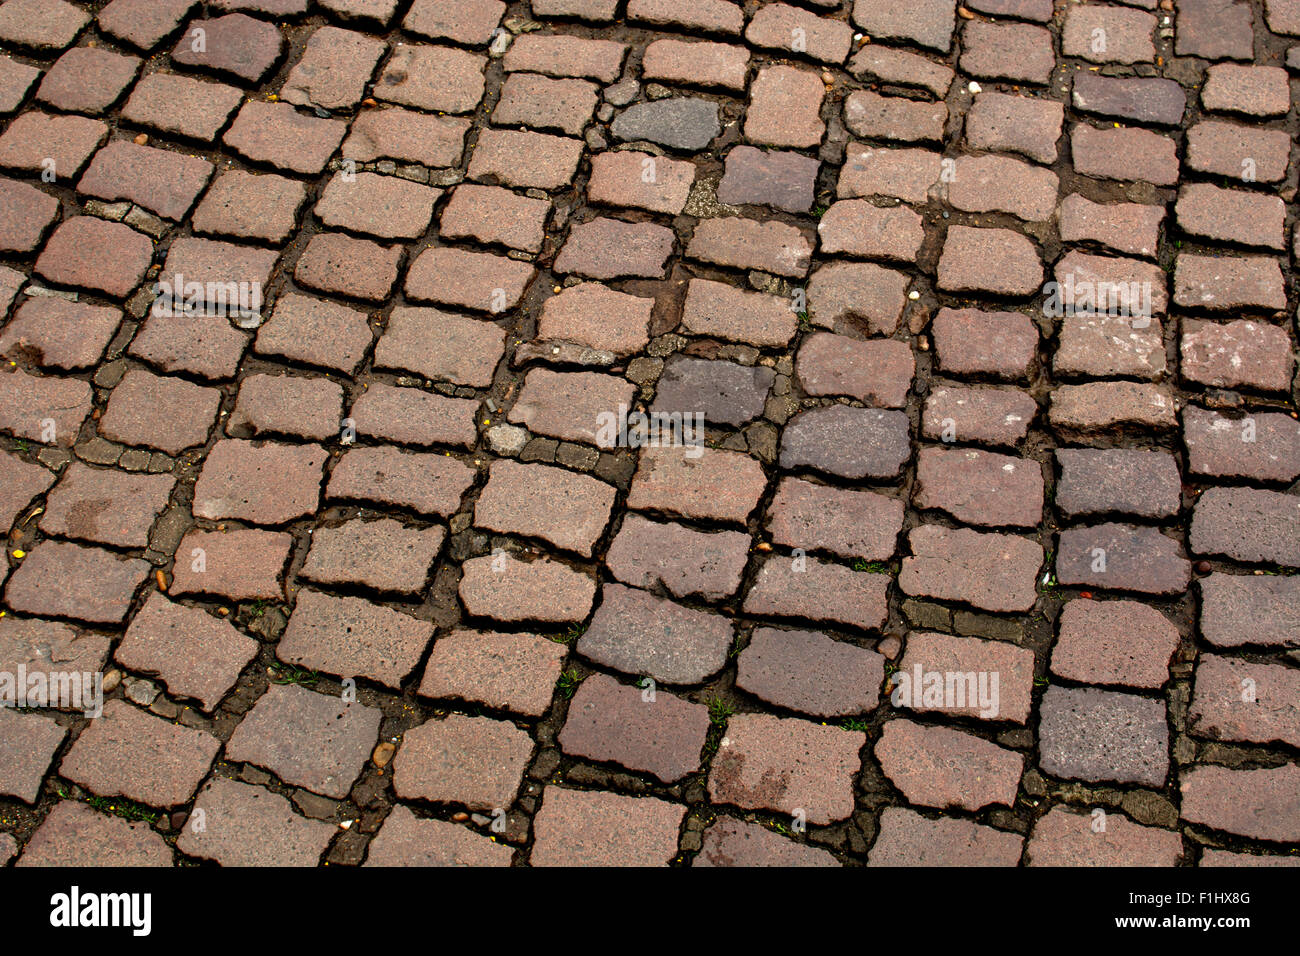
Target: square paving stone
<point>848,523</point>
<point>276,134</point>
<point>475,762</point>
<point>238,46</point>
<point>195,654</point>
<point>816,439</point>
<point>787,766</point>
<point>129,753</point>
<point>428,484</point>
<point>182,105</point>
<point>592,828</point>
<point>143,23</point>
<point>994,572</point>
<point>687,563</point>
<point>1258,446</point>
<point>1008,51</point>
<point>298,406</point>
<point>41,24</point>
<point>929,23</point>
<point>354,268</point>
<point>307,739</point>
<point>1228,283</point>
<point>1101,735</point>
<point>92,254</point>
<point>207,346</point>
<point>259,482</point>
<point>350,637</point>
<point>854,297</point>
<point>941,767</point>
<point>1260,804</point>
<point>20,482</point>
<point>248,206</point>
<point>59,579</point>
<point>909,839</point>
<point>857,228</point>
<point>722,392</point>
<point>157,411</point>
<point>386,207</point>
<point>315,332</point>
<point>335,67</point>
<point>1215,30</point>
<point>784,108</point>
<point>48,647</point>
<point>719,310</point>
<point>1122,557</point>
<point>406,136</point>
<point>16,81</point>
<point>1105,34</point>
<point>495,216</point>
<point>573,406</point>
<point>972,342</point>
<point>522,158</point>
<point>382,555</point>
<point>543,103</point>
<point>808,672</point>
<point>510,672</point>
<point>808,589</point>
<point>1121,480</point>
<point>989,261</point>
<point>249,826</point>
<point>87,80</point>
<point>28,743</point>
<point>36,142</point>
<point>1245,701</point>
<point>1018,124</point>
<point>734,843</point>
<point>486,283</point>
<point>640,634</point>
<point>106,506</point>
<point>49,410</point>
<point>56,333</point>
<point>1119,643</point>
<point>701,484</point>
<point>538,501</point>
<point>510,590</point>
<point>73,835</point>
<point>241,565</point>
<point>408,840</point>
<point>465,21</point>
<point>659,734</point>
<point>1002,184</point>
<point>432,78</point>
<point>1065,838</point>
<point>965,677</point>
<point>595,316</point>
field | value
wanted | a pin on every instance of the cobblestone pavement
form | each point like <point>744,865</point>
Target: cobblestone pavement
<point>986,553</point>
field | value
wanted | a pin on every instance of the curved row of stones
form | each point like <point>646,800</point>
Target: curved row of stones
<point>373,581</point>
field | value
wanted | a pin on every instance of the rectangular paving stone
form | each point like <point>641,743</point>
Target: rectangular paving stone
<point>639,634</point>
<point>252,826</point>
<point>702,484</point>
<point>1122,557</point>
<point>486,283</point>
<point>16,81</point>
<point>597,317</point>
<point>1117,480</point>
<point>276,134</point>
<point>786,765</point>
<point>382,555</point>
<point>979,487</point>
<point>1231,215</point>
<point>572,406</point>
<point>207,346</point>
<point>351,637</point>
<point>1252,90</point>
<point>1008,51</point>
<point>60,579</point>
<point>591,828</point>
<point>1111,285</point>
<point>537,501</point>
<point>708,65</point>
<point>1153,100</point>
<point>1065,838</point>
<point>1106,34</point>
<point>721,392</point>
<point>815,439</point>
<point>1246,609</point>
<point>44,409</point>
<point>729,842</point>
<point>641,181</point>
<point>511,672</point>
<point>1105,346</point>
<point>897,118</point>
<point>1100,735</point>
<point>993,572</point>
<point>973,342</point>
<point>941,767</point>
<point>315,332</point>
<point>241,47</point>
<point>849,523</point>
<point>495,216</point>
<point>810,673</point>
<point>1121,643</point>
<point>1260,804</point>
<point>909,839</point>
<point>259,482</point>
<point>441,346</point>
<point>1124,154</point>
<point>565,56</point>
<point>1240,354</point>
<point>511,590</point>
<point>426,483</point>
<point>37,142</point>
<point>195,654</point>
<point>1245,701</point>
<point>55,333</point>
<point>89,253</point>
<point>779,26</point>
<point>1238,152</point>
<point>687,563</point>
<point>406,136</point>
<point>1017,124</point>
<point>856,227</point>
<point>410,416</point>
<point>1228,283</point>
<point>1215,30</point>
<point>906,174</point>
<point>902,67</point>
<point>242,564</point>
<point>475,762</point>
<point>1131,228</point>
<point>432,78</point>
<point>28,743</point>
<point>72,834</point>
<point>612,249</point>
<point>929,23</point>
<point>41,24</point>
<point>989,261</point>
<point>846,296</point>
<point>296,406</point>
<point>708,16</point>
<point>720,310</point>
<point>386,207</point>
<point>408,840</point>
<point>808,589</point>
<point>247,206</point>
<point>565,105</point>
<point>1000,184</point>
<point>609,722</point>
<point>987,416</point>
<point>307,739</point>
<point>20,482</point>
<point>143,23</point>
<point>1096,406</point>
<point>1247,524</point>
<point>182,105</point>
<point>522,158</point>
<point>87,80</point>
<point>128,753</point>
<point>1259,446</point>
<point>355,268</point>
<point>105,506</point>
<point>335,67</point>
<point>465,21</point>
<point>965,677</point>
